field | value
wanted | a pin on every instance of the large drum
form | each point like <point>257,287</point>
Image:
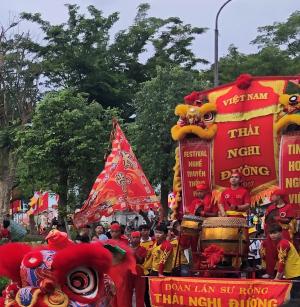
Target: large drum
<point>230,233</point>
<point>191,225</point>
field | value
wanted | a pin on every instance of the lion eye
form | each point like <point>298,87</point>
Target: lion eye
<point>208,117</point>
<point>83,281</point>
<point>293,99</point>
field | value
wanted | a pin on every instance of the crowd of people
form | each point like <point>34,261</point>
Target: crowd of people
<point>164,250</point>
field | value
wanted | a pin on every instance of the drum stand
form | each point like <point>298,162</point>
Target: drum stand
<point>199,241</point>
<point>240,248</point>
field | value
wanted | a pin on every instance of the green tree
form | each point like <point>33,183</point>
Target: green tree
<point>278,53</point>
<point>18,94</point>
<point>282,34</point>
<point>268,61</point>
<point>81,54</point>
<point>155,104</point>
<point>64,147</point>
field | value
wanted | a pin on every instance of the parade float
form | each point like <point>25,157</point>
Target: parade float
<point>250,126</point>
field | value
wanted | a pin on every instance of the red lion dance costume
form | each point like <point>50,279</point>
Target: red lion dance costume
<point>60,275</point>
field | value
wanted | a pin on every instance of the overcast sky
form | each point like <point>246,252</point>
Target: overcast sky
<point>238,20</point>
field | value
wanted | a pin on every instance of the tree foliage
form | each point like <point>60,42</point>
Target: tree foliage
<point>268,61</point>
<point>64,147</point>
<point>282,34</point>
<point>18,78</point>
<point>81,54</point>
<point>278,53</point>
<point>155,103</point>
<point>18,94</point>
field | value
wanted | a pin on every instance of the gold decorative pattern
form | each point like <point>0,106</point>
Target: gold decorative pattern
<point>57,299</point>
<point>213,96</point>
<point>277,85</point>
<point>236,117</point>
<point>282,255</point>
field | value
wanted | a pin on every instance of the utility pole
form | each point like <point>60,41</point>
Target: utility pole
<point>216,70</point>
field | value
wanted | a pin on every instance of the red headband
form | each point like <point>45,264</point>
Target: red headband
<point>135,234</point>
<point>202,187</point>
<point>115,227</point>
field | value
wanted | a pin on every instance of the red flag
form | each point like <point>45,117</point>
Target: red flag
<point>42,204</point>
<point>122,185</point>
<point>15,206</point>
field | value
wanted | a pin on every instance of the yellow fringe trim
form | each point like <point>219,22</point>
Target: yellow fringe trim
<point>177,177</point>
<point>176,184</point>
<point>178,133</point>
<point>264,187</point>
<point>257,195</point>
<point>235,117</point>
<point>216,194</point>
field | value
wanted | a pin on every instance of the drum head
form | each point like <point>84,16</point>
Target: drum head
<point>225,222</point>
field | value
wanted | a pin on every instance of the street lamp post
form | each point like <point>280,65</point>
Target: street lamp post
<point>216,71</point>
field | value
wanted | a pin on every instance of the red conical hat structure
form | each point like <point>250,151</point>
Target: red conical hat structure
<point>122,185</point>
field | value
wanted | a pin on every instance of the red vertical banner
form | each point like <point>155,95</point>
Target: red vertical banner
<point>195,166</point>
<point>290,167</point>
<point>246,140</point>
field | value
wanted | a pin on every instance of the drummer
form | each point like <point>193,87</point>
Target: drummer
<point>203,204</point>
<point>235,200</point>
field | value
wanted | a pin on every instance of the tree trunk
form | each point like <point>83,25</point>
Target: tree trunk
<point>32,225</point>
<point>7,177</point>
<point>63,199</point>
<point>164,192</point>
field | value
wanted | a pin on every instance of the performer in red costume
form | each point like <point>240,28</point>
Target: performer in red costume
<point>139,282</point>
<point>65,275</point>
<point>121,271</point>
<point>160,259</point>
<point>58,240</point>
<point>146,240</point>
<point>235,200</point>
<point>280,212</point>
<point>5,235</point>
<point>203,204</point>
<point>116,233</point>
<point>288,259</point>
<point>180,262</point>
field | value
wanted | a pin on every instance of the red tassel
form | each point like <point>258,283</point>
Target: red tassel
<point>244,81</point>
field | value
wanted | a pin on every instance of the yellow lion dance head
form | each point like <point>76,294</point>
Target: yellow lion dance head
<point>289,113</point>
<point>198,120</point>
